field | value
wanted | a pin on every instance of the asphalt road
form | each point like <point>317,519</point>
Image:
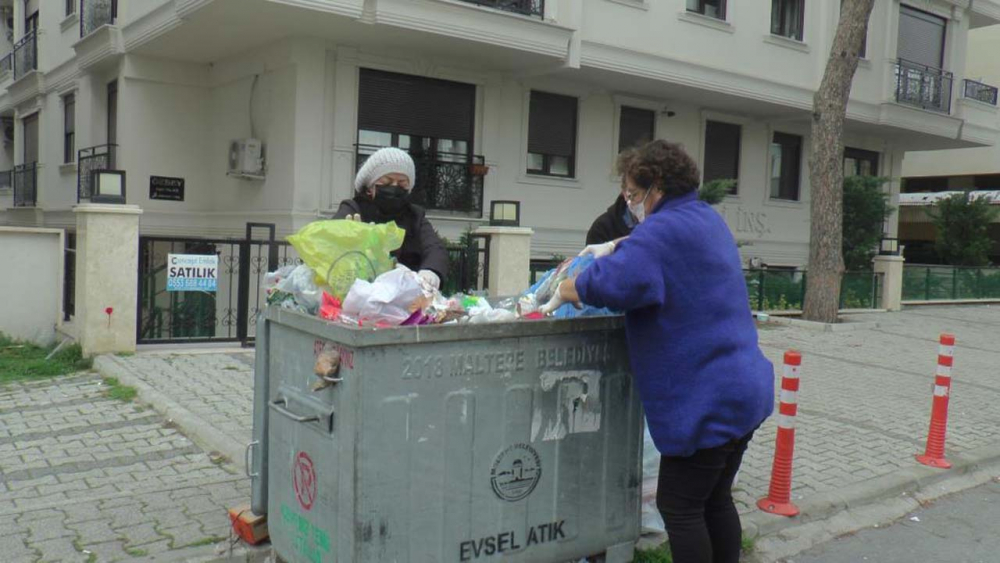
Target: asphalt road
<point>962,528</point>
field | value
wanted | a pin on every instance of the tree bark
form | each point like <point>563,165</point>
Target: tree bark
<point>826,164</point>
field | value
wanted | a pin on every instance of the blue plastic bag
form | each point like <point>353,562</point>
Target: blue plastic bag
<point>545,288</point>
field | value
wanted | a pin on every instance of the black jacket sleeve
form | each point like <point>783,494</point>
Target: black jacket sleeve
<point>435,255</point>
<point>347,207</point>
<point>602,230</point>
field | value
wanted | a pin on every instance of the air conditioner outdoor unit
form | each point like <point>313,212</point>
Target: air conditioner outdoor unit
<point>246,159</point>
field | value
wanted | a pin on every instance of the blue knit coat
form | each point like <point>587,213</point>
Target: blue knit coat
<point>692,341</point>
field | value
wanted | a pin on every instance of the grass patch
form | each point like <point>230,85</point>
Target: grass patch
<point>748,545</point>
<point>125,354</point>
<point>659,554</point>
<point>207,541</point>
<point>231,368</point>
<point>136,552</point>
<point>115,390</point>
<point>24,361</point>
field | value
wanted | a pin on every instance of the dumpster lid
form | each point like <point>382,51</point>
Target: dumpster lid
<point>359,337</point>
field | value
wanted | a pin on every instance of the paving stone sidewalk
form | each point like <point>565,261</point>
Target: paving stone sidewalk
<point>87,478</point>
<point>864,403</point>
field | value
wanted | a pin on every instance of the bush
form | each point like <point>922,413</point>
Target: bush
<point>865,211</point>
<point>962,223</point>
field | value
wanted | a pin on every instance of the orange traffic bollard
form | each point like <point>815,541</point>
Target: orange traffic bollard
<point>934,453</point>
<point>778,500</point>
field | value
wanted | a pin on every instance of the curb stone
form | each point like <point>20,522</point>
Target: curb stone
<point>201,433</point>
<point>874,502</point>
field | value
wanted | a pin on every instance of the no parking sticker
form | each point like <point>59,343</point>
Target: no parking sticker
<point>304,480</point>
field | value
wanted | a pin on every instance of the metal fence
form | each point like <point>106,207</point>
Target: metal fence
<point>95,13</point>
<point>88,161</point>
<point>535,8</point>
<point>980,92</point>
<point>784,290</point>
<point>923,86</point>
<point>26,185</point>
<point>469,265</point>
<point>26,55</point>
<point>949,283</point>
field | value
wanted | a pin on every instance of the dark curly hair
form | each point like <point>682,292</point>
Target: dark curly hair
<point>665,166</point>
<point>622,162</point>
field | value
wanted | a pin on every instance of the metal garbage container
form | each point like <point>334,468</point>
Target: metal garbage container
<point>513,441</point>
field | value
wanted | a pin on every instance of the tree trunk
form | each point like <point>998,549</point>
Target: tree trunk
<point>826,164</point>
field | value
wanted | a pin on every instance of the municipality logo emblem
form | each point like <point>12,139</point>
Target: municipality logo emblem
<point>516,471</point>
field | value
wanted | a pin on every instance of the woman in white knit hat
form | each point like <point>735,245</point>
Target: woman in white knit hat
<point>381,194</point>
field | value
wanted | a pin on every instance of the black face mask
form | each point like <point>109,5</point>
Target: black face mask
<point>391,200</point>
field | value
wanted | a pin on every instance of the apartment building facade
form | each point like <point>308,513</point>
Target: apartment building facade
<point>497,100</point>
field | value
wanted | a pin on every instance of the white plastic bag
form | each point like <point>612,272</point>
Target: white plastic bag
<point>651,519</point>
<point>388,299</point>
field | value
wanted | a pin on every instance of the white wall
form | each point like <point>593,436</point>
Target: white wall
<point>982,66</point>
<point>32,305</point>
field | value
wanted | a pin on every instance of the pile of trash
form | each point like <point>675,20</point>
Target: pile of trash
<point>349,276</point>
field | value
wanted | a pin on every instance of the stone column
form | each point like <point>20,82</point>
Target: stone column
<point>892,281</point>
<point>107,275</point>
<point>510,257</point>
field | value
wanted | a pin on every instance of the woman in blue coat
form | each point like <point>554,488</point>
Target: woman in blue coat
<point>703,381</point>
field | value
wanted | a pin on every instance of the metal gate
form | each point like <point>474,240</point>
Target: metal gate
<point>227,315</point>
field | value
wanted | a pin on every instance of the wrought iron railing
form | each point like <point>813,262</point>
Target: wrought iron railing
<point>26,55</point>
<point>444,182</point>
<point>923,86</point>
<point>95,13</point>
<point>89,160</point>
<point>7,63</point>
<point>26,185</point>
<point>6,179</point>
<point>980,92</point>
<point>534,8</point>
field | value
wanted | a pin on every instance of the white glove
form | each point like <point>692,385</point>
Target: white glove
<point>552,305</point>
<point>427,277</point>
<point>599,250</point>
<point>355,217</point>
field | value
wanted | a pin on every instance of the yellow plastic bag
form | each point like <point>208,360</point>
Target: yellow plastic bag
<point>341,252</point>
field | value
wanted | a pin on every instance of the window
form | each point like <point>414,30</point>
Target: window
<point>859,162</point>
<point>30,124</point>
<point>113,113</point>
<point>711,8</point>
<point>552,134</point>
<point>787,18</point>
<point>69,128</point>
<point>921,37</point>
<point>786,166</point>
<point>635,127</point>
<point>722,152</point>
<point>70,7</point>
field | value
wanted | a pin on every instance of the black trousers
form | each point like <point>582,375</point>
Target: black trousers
<point>694,496</point>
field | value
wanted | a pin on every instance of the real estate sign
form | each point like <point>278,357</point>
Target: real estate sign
<point>192,272</point>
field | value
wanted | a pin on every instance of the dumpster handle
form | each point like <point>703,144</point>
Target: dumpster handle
<point>280,405</point>
<point>248,459</point>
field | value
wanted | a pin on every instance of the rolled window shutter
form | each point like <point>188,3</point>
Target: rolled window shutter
<point>552,124</point>
<point>635,127</point>
<point>722,151</point>
<point>921,37</point>
<point>414,105</point>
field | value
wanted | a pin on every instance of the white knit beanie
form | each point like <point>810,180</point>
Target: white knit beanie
<point>385,161</point>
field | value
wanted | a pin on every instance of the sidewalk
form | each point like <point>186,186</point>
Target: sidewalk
<point>87,478</point>
<point>864,409</point>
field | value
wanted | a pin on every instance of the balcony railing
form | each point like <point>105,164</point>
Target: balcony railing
<point>95,13</point>
<point>26,55</point>
<point>89,160</point>
<point>6,179</point>
<point>980,92</point>
<point>26,185</point>
<point>534,8</point>
<point>444,182</point>
<point>923,86</point>
<point>7,63</point>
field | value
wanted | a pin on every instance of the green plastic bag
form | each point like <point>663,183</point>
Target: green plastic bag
<point>341,251</point>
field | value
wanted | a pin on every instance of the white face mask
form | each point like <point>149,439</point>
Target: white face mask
<point>638,209</point>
